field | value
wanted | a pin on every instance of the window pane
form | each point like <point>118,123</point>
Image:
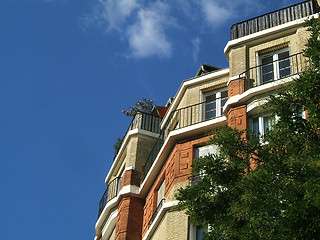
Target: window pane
<point>224,98</point>
<point>267,74</point>
<point>284,64</point>
<point>210,107</point>
<point>161,192</point>
<point>267,123</point>
<point>200,232</point>
<point>255,125</point>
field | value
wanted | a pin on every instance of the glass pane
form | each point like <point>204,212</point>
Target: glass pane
<point>284,64</point>
<point>200,232</point>
<point>210,107</point>
<point>267,69</point>
<point>210,115</point>
<point>255,125</point>
<point>267,123</point>
<point>224,98</point>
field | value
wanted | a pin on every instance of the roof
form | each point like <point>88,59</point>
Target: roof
<point>205,68</point>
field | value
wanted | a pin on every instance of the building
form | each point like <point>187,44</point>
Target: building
<point>156,154</point>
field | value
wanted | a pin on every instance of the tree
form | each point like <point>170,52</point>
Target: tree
<point>251,190</point>
<point>145,106</point>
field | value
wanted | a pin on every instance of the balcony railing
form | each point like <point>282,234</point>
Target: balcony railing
<point>152,156</point>
<point>154,215</point>
<point>275,70</point>
<point>178,119</point>
<point>111,192</point>
<point>192,114</point>
<point>275,18</point>
<point>144,121</point>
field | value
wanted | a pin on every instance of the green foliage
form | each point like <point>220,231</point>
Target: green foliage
<point>277,197</point>
<point>117,146</point>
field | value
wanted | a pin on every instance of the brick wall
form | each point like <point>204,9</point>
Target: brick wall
<point>177,169</point>
<point>129,219</point>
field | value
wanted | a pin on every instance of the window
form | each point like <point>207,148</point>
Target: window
<point>214,103</point>
<point>261,124</point>
<point>205,150</point>
<point>160,196</point>
<point>196,232</point>
<point>274,66</point>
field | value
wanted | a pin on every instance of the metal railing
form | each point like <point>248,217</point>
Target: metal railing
<point>143,121</point>
<point>179,118</point>
<point>152,156</point>
<point>275,70</point>
<point>193,114</point>
<point>111,192</point>
<point>275,18</point>
<point>154,215</point>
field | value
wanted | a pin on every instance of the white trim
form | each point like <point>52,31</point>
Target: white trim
<point>256,104</point>
<point>255,91</point>
<point>187,83</point>
<point>110,224</point>
<point>129,168</point>
<point>159,216</point>
<point>280,28</point>
<point>130,189</point>
<point>174,136</point>
<point>232,79</point>
<point>122,148</point>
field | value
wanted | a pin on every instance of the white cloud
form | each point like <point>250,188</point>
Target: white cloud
<point>147,35</point>
<point>111,14</point>
<point>196,48</point>
<point>215,12</point>
<point>145,25</point>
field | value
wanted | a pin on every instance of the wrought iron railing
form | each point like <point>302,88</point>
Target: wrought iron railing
<point>154,215</point>
<point>152,156</point>
<point>274,18</point>
<point>182,118</point>
<point>193,114</point>
<point>143,121</point>
<point>275,70</point>
<point>111,192</point>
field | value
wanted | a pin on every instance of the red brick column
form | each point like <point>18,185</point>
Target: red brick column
<point>130,177</point>
<point>236,87</point>
<point>237,117</point>
<point>129,219</point>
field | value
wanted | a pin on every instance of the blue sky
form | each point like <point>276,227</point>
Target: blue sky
<point>67,69</point>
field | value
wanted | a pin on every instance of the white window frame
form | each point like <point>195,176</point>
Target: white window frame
<point>275,62</point>
<point>261,119</point>
<point>218,103</point>
<point>160,192</point>
<point>193,232</point>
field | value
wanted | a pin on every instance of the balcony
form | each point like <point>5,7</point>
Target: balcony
<point>273,19</point>
<point>185,117</point>
<point>111,192</point>
<point>271,70</point>
<point>144,121</point>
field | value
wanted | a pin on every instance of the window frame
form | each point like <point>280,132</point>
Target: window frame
<point>193,232</point>
<point>218,103</point>
<point>261,124</point>
<point>276,70</point>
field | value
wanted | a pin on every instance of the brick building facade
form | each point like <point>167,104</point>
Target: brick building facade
<point>156,154</point>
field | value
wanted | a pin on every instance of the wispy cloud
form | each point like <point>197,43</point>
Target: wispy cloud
<point>147,35</point>
<point>145,25</point>
<point>111,14</point>
<point>196,48</point>
<point>215,12</point>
